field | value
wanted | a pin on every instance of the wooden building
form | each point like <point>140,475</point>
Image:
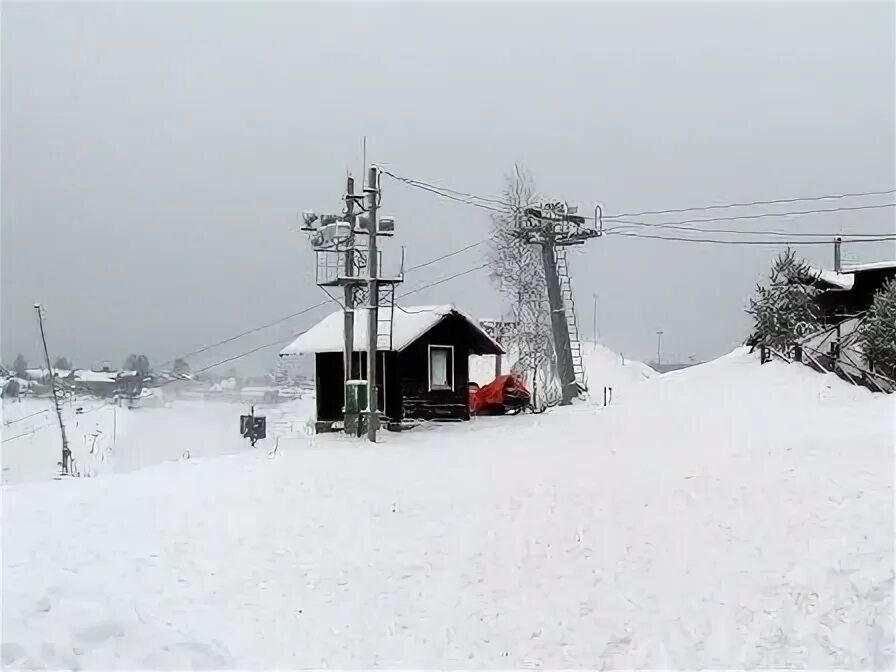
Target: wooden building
<point>423,367</point>
<point>850,292</point>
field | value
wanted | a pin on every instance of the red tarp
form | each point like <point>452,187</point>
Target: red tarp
<point>503,394</point>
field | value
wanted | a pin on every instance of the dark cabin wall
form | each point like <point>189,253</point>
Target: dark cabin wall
<point>838,304</point>
<point>328,375</point>
<point>417,399</point>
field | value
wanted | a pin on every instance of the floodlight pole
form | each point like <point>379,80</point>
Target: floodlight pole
<point>372,192</point>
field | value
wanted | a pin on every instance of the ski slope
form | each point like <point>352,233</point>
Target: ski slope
<point>728,515</point>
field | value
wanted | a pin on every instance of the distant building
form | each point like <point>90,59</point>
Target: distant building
<point>260,394</point>
<point>43,375</point>
<point>106,383</point>
<point>422,372</point>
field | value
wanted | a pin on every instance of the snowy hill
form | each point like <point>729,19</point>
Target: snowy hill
<point>727,515</point>
<point>603,367</point>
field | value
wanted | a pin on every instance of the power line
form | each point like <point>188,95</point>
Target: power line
<point>446,256</point>
<point>678,224</point>
<point>752,232</point>
<point>308,309</point>
<point>25,417</point>
<point>29,433</point>
<point>282,340</point>
<point>246,333</point>
<point>331,297</point>
<point>753,203</point>
<point>452,194</point>
<point>443,280</point>
<point>441,191</point>
<point>748,242</point>
<point>265,346</point>
<point>761,215</point>
<point>34,430</point>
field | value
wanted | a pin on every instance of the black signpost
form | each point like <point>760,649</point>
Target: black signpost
<point>253,427</point>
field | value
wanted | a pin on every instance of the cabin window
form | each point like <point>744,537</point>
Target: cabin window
<point>441,367</point>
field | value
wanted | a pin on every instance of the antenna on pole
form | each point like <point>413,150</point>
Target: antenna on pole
<point>364,155</point>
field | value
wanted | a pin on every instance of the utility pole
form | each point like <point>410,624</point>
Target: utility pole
<point>554,225</point>
<point>348,302</point>
<point>66,453</point>
<point>373,298</point>
<point>837,266</point>
<point>342,250</point>
<point>659,349</point>
<point>594,332</point>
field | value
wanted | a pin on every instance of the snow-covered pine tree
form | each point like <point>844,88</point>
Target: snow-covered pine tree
<point>784,310</point>
<point>878,333</point>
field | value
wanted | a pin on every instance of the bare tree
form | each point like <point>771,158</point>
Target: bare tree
<point>517,270</point>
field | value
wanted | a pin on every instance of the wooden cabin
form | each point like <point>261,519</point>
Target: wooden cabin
<point>423,367</point>
<point>851,291</point>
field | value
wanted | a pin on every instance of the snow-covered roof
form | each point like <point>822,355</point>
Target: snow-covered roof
<point>833,278</point>
<point>873,266</point>
<point>86,376</point>
<point>44,373</point>
<point>845,280</point>
<point>408,324</point>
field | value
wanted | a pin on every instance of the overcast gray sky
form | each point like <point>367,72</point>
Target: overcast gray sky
<point>154,156</point>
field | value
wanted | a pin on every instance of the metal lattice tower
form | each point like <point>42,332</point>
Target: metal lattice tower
<point>569,303</point>
<point>553,227</point>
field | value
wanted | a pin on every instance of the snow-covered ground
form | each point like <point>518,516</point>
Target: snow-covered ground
<point>105,438</point>
<point>727,515</point>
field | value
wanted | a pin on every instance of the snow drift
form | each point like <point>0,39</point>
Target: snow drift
<point>727,515</point>
<point>603,368</point>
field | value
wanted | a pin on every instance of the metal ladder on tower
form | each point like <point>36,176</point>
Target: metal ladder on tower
<point>569,306</point>
<point>385,316</point>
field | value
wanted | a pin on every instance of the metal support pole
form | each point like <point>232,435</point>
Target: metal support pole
<point>348,314</point>
<point>594,332</point>
<point>837,241</point>
<point>372,192</point>
<point>66,453</point>
<point>659,349</point>
<point>568,387</point>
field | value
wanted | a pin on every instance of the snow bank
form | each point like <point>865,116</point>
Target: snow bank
<point>729,515</point>
<point>603,367</point>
